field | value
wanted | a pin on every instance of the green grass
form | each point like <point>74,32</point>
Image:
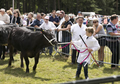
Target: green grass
<point>48,72</point>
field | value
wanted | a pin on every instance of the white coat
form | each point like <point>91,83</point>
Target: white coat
<point>76,30</point>
<point>91,42</point>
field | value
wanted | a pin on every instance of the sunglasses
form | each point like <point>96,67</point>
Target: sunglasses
<point>14,13</point>
<point>95,22</point>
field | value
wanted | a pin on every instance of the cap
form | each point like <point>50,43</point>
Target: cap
<point>47,17</point>
<point>58,11</point>
<point>79,12</point>
<point>2,9</point>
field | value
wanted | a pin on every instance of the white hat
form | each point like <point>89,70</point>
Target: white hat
<point>2,9</point>
<point>47,17</point>
<point>58,11</point>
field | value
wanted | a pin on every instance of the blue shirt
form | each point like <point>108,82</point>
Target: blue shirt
<point>37,22</point>
<point>56,19</point>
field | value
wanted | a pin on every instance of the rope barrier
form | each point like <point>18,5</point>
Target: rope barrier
<point>77,51</point>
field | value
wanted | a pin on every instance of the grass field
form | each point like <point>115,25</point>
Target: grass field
<point>48,72</point>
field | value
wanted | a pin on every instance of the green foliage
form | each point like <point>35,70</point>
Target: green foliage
<point>69,6</point>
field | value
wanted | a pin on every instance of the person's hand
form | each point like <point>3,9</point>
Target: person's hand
<point>36,26</point>
<point>50,29</point>
<point>54,22</point>
<point>58,30</point>
<point>94,34</point>
<point>90,50</point>
<point>71,42</point>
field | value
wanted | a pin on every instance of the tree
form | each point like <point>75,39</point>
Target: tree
<point>105,7</point>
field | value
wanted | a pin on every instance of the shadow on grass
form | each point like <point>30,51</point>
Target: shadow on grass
<point>19,72</point>
<point>73,66</point>
<point>94,66</point>
<point>61,58</point>
<point>109,70</point>
<point>56,57</point>
<point>3,62</point>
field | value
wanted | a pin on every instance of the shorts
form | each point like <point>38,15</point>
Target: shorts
<point>102,41</point>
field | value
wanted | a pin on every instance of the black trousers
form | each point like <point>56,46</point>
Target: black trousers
<point>74,56</point>
<point>114,47</point>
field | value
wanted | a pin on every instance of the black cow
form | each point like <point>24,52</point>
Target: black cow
<point>30,44</point>
<point>4,33</point>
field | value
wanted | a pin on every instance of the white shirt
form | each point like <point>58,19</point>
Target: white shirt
<point>100,20</point>
<point>59,27</point>
<point>91,42</point>
<point>76,30</point>
<point>61,21</point>
<point>5,18</point>
<point>2,22</point>
<point>48,26</point>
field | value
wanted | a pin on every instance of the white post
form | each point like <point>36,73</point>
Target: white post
<point>12,11</point>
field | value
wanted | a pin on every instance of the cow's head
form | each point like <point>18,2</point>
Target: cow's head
<point>49,37</point>
<point>4,32</point>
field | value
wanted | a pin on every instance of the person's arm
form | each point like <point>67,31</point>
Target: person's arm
<point>95,47</point>
<point>33,24</point>
<point>98,29</point>
<point>114,34</point>
<point>56,23</point>
<point>118,31</point>
<point>41,26</point>
<point>110,31</point>
<point>7,19</point>
<point>36,26</point>
<point>64,29</point>
<point>53,27</point>
<point>94,31</point>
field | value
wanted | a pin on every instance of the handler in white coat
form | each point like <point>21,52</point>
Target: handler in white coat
<point>76,30</point>
<point>84,58</point>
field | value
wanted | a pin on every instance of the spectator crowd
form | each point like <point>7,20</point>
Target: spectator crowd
<point>68,27</point>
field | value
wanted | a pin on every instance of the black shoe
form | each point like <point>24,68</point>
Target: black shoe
<point>67,56</point>
<point>50,53</point>
<point>72,63</point>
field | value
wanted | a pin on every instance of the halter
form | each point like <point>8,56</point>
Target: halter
<point>50,41</point>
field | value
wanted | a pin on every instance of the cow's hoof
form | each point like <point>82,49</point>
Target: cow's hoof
<point>34,69</point>
<point>9,65</point>
<point>12,59</point>
<point>27,71</point>
<point>2,58</point>
<point>22,66</point>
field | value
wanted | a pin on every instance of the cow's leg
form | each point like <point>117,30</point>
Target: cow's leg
<point>21,57</point>
<point>11,55</point>
<point>36,61</point>
<point>27,63</point>
<point>3,48</point>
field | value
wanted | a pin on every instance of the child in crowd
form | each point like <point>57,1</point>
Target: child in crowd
<point>84,58</point>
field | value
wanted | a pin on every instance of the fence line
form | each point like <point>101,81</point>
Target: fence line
<point>107,51</point>
<point>96,81</point>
